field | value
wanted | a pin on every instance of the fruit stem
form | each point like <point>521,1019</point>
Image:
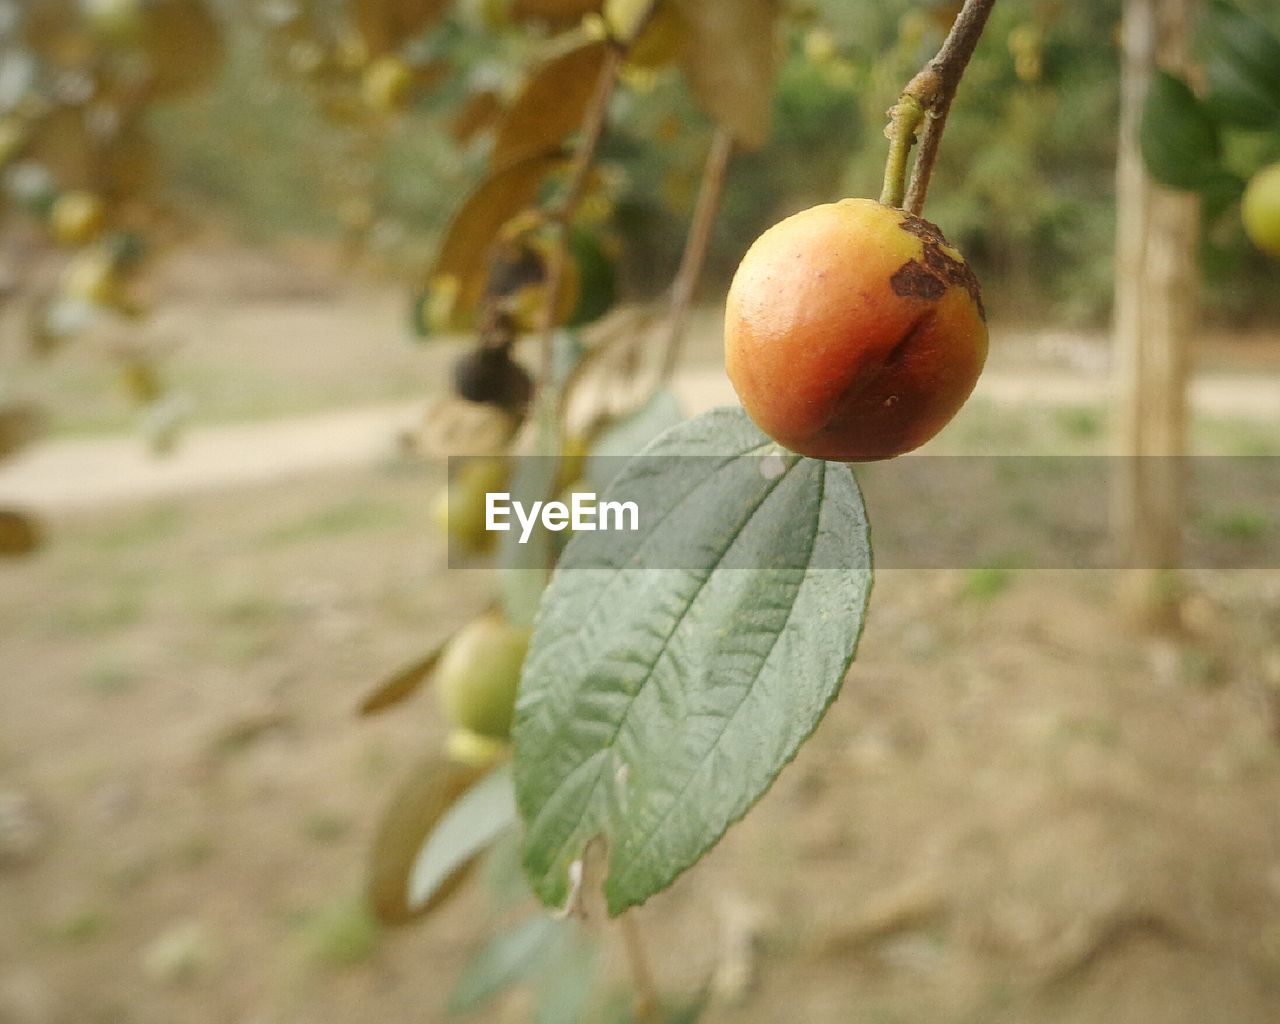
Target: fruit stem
<point>695,247</point>
<point>932,91</point>
<point>904,119</point>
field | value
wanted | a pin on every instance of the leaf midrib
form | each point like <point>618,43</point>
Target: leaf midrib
<point>604,748</point>
<point>729,719</point>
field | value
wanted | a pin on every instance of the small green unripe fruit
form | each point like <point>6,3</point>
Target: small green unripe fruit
<point>853,331</point>
<point>459,510</point>
<point>467,747</point>
<point>479,673</point>
<point>1260,210</point>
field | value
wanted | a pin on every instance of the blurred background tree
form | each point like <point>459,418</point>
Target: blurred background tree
<point>1026,183</point>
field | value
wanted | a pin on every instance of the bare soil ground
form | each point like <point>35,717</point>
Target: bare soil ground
<point>1019,810</point>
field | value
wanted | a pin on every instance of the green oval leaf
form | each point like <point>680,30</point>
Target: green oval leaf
<point>1178,135</point>
<point>1242,63</point>
<point>658,704</point>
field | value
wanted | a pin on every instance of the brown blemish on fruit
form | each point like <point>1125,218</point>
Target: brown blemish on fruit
<point>914,280</point>
<point>946,268</point>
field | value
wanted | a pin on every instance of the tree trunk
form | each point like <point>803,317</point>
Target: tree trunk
<point>1155,316</point>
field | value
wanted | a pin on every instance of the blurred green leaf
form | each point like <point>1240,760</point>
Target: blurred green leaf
<point>597,281</point>
<point>731,64</point>
<point>418,806</point>
<point>1178,135</point>
<point>466,829</point>
<point>1220,193</point>
<point>551,105</point>
<point>462,265</point>
<point>1242,63</point>
<point>567,980</point>
<point>658,704</point>
<point>503,874</point>
<point>507,959</point>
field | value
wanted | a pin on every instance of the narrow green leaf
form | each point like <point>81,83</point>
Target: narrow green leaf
<point>503,874</point>
<point>674,671</point>
<point>507,959</point>
<point>568,980</point>
<point>470,826</point>
<point>1178,135</point>
<point>1242,63</point>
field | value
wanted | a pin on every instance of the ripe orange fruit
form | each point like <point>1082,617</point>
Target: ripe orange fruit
<point>853,331</point>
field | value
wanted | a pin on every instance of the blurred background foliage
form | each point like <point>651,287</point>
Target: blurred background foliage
<point>1025,184</point>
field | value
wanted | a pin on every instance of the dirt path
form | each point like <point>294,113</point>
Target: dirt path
<point>71,473</point>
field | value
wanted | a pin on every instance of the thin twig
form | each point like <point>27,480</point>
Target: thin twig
<point>927,98</point>
<point>647,1002</point>
<point>643,326</point>
<point>695,249</point>
<point>949,66</point>
<point>593,124</point>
